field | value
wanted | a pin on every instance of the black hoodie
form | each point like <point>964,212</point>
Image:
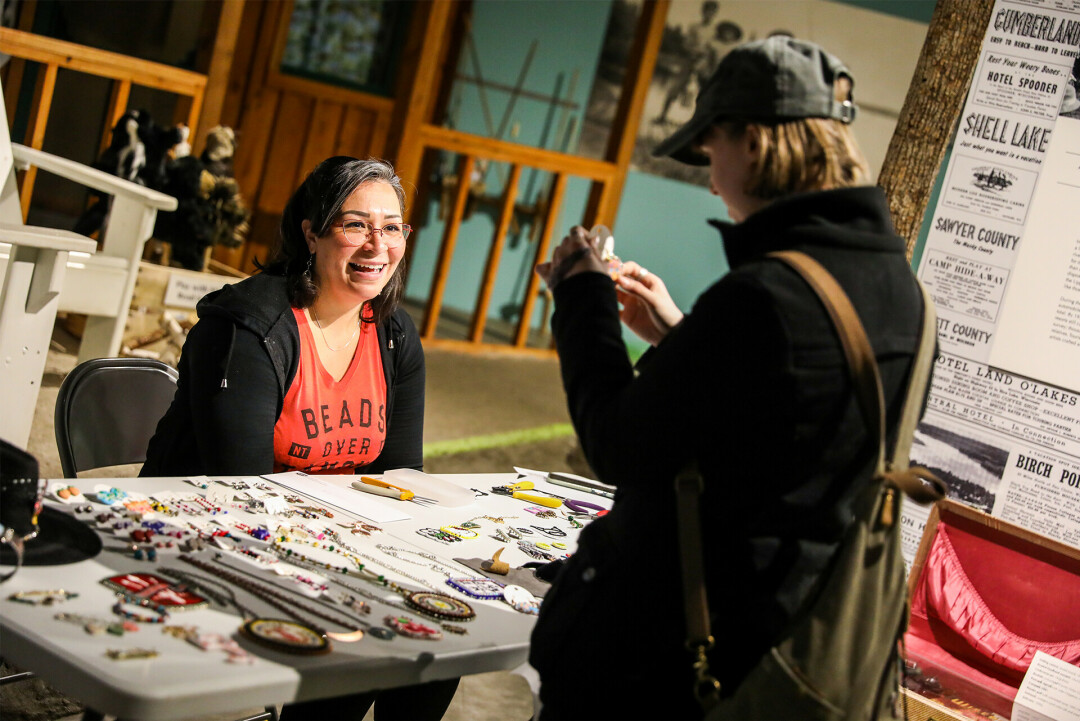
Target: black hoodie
<point>238,363</point>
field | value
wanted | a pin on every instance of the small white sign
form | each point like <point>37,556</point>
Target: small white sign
<point>185,291</point>
<point>1050,691</point>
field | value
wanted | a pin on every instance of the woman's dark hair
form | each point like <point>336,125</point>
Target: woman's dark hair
<point>318,200</point>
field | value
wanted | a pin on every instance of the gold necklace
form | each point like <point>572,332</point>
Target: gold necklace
<point>323,332</point>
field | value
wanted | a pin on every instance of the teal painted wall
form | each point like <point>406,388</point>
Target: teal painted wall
<point>918,10</point>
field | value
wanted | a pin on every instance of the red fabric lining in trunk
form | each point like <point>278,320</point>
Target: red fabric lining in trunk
<point>985,602</point>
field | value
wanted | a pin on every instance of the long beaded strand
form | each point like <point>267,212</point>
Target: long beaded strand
<point>367,575</point>
<point>274,598</point>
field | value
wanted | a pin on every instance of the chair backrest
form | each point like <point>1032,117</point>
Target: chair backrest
<point>107,410</point>
<point>10,210</point>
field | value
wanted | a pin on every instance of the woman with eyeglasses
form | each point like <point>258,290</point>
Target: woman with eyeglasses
<point>311,365</point>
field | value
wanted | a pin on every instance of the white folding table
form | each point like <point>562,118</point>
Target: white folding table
<point>185,682</point>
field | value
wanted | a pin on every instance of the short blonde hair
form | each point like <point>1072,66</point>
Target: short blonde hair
<point>802,155</point>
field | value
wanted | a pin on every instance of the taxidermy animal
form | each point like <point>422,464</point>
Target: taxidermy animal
<point>138,151</point>
<point>211,210</point>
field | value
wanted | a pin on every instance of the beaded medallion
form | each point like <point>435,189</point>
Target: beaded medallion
<point>287,636</point>
<point>440,606</point>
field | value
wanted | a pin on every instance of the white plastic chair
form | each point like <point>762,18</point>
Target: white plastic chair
<point>45,270</point>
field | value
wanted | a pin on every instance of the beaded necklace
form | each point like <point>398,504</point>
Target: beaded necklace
<point>432,560</point>
<point>220,594</point>
<point>127,599</point>
<point>288,554</point>
<point>430,602</point>
<point>223,594</point>
<point>276,599</point>
<point>355,555</point>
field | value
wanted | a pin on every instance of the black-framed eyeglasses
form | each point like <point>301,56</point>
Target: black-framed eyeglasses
<point>358,232</point>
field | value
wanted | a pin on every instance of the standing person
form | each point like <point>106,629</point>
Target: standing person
<point>752,385</point>
<point>311,365</point>
<point>697,60</point>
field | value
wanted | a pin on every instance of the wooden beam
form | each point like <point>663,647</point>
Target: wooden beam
<point>16,67</point>
<point>242,74</point>
<point>558,189</point>
<point>219,69</point>
<point>491,269</point>
<point>418,86</point>
<point>446,248</point>
<point>934,101</point>
<point>35,131</point>
<point>504,151</point>
<point>103,63</point>
<point>603,203</point>
<point>118,102</point>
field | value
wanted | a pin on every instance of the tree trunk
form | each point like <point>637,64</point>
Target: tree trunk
<point>934,101</point>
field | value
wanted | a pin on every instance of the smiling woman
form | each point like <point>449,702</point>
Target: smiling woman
<point>319,328</point>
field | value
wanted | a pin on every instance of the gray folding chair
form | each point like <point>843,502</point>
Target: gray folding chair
<point>107,410</point>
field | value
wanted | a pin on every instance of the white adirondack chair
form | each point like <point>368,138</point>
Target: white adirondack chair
<point>45,270</point>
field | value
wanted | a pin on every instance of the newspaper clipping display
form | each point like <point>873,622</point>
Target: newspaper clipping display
<point>1002,262</point>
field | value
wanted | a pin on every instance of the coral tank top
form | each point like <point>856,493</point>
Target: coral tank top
<point>329,426</point>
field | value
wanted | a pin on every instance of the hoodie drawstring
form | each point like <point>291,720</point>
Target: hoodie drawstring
<point>228,358</point>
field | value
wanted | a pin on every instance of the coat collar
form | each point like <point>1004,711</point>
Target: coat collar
<point>843,218</point>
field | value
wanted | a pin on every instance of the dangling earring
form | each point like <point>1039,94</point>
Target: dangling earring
<point>307,268</point>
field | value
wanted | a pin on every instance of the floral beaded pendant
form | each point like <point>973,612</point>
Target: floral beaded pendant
<point>287,636</point>
<point>440,606</point>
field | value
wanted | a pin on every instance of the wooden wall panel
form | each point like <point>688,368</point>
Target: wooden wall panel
<point>355,136</point>
<point>261,239</point>
<point>255,115</point>
<point>252,143</point>
<point>283,153</point>
<point>251,119</point>
<point>322,137</point>
<point>379,135</point>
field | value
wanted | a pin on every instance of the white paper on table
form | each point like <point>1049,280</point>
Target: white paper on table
<point>443,492</point>
<point>1050,691</point>
<point>346,499</point>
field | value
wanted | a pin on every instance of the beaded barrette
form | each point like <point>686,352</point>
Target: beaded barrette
<point>161,612</point>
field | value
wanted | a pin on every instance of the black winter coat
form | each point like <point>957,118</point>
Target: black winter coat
<point>237,365</point>
<point>753,385</point>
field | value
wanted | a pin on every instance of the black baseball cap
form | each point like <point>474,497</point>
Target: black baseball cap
<point>49,537</point>
<point>778,78</point>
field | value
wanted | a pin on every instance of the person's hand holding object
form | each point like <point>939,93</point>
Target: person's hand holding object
<point>647,307</point>
<point>575,254</point>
